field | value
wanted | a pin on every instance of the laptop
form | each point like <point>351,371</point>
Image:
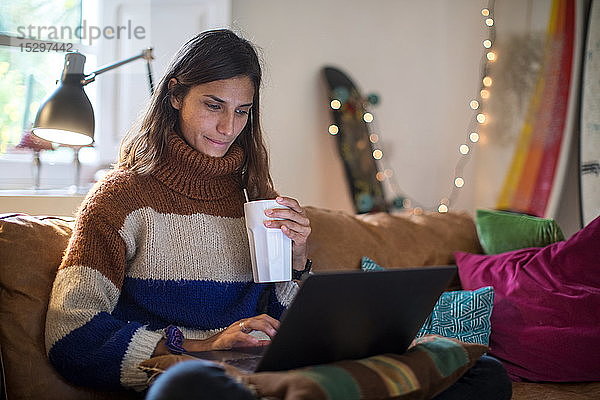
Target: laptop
<point>346,315</point>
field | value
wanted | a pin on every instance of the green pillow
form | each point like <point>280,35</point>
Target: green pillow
<point>502,231</point>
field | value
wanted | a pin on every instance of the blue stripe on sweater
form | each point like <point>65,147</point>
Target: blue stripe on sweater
<point>91,355</point>
<point>203,305</point>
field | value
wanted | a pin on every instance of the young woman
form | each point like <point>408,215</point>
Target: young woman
<point>159,260</point>
<point>161,241</point>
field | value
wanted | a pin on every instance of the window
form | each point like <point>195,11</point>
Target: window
<point>117,96</point>
<point>34,37</point>
<point>28,71</point>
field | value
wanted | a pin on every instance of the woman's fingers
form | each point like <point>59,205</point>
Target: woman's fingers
<point>298,233</point>
<point>263,323</point>
<point>235,339</point>
<point>294,222</point>
<point>288,214</point>
<point>238,333</point>
<point>297,237</point>
<point>291,203</point>
<point>290,224</point>
<point>272,321</point>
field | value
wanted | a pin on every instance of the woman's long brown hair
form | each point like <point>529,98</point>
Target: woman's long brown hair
<point>209,56</point>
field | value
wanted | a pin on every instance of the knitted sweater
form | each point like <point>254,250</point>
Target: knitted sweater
<point>148,251</point>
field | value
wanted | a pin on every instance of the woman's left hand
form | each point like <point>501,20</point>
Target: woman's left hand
<point>294,224</point>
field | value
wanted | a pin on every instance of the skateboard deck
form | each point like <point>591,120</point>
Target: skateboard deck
<point>353,141</point>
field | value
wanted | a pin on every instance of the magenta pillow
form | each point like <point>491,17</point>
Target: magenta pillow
<point>546,315</point>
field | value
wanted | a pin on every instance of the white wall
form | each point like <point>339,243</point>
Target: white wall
<point>421,57</point>
<point>167,25</point>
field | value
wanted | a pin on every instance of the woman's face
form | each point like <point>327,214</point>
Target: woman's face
<point>213,114</point>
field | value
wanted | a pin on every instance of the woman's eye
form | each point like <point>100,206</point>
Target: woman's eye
<point>242,112</point>
<point>213,106</point>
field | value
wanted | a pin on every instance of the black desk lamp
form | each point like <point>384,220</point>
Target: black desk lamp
<point>66,116</point>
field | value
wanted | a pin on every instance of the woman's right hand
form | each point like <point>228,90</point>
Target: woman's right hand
<point>237,335</point>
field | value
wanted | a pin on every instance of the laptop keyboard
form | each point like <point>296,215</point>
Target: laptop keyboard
<point>247,364</point>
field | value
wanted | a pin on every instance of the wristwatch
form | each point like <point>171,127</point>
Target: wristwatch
<point>298,274</point>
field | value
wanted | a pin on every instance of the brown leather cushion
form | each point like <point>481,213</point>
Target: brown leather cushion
<point>556,391</point>
<point>31,250</point>
<point>339,240</point>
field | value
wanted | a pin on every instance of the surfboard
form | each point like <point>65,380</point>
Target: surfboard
<point>558,197</point>
<point>590,121</point>
<point>536,179</point>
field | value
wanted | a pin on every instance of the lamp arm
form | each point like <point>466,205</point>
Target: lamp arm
<point>146,54</point>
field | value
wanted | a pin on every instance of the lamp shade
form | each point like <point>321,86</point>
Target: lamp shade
<point>66,116</point>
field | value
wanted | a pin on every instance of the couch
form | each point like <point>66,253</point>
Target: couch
<point>31,248</point>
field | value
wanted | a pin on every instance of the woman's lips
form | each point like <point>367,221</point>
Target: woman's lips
<point>217,142</point>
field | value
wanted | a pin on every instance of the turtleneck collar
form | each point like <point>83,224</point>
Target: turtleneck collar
<point>197,175</point>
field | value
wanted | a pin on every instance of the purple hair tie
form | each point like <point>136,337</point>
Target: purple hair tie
<point>174,339</point>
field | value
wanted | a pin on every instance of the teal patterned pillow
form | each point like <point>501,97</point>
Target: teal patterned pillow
<point>366,264</point>
<point>463,315</point>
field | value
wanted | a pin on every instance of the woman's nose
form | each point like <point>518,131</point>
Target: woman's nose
<point>226,125</point>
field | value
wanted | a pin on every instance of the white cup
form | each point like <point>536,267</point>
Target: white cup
<point>270,248</point>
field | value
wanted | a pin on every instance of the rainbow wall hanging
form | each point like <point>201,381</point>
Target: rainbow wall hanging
<point>536,176</point>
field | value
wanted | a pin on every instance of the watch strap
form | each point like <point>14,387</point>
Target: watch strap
<point>298,274</point>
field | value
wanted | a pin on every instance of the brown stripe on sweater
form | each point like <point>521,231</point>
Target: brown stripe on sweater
<point>201,185</point>
<point>95,243</point>
<point>153,193</point>
<point>196,175</point>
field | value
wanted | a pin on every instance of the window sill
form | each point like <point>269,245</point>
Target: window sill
<point>61,202</point>
<point>18,175</point>
<point>66,192</point>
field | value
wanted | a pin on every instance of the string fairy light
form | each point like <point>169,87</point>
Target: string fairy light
<point>385,174</point>
<point>479,119</point>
